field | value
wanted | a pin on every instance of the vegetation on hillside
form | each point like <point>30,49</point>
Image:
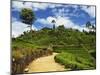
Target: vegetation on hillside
<point>74,62</point>
<point>77,50</point>
<point>78,47</point>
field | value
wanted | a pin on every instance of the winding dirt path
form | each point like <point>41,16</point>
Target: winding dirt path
<point>45,64</point>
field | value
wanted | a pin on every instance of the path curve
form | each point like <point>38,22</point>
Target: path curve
<point>45,64</point>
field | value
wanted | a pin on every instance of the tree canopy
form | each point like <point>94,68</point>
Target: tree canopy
<point>27,16</point>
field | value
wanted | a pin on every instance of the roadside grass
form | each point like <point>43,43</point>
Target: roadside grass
<point>74,62</point>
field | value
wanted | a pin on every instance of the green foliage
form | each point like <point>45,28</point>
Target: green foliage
<point>61,39</point>
<point>88,24</point>
<point>74,62</point>
<point>76,48</point>
<point>93,53</point>
<point>92,28</point>
<point>27,16</point>
<point>61,28</point>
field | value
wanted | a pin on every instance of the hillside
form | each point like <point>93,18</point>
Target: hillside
<point>77,49</point>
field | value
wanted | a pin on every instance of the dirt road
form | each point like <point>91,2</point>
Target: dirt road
<point>45,64</point>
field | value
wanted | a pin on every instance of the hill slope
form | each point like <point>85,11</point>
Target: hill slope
<point>70,41</point>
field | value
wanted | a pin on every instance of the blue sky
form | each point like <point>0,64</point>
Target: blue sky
<point>71,16</point>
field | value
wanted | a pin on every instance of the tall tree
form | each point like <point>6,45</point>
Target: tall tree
<point>53,22</point>
<point>88,24</point>
<point>27,16</point>
<point>94,28</point>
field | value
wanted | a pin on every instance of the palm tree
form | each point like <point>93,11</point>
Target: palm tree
<point>94,28</point>
<point>88,25</point>
<point>53,22</point>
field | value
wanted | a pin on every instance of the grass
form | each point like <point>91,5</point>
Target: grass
<point>76,50</point>
<point>74,62</point>
<point>65,41</point>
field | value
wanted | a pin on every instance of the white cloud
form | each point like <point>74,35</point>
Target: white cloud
<point>13,19</point>
<point>90,10</point>
<point>19,5</point>
<point>64,21</point>
<point>35,6</point>
<point>52,5</point>
<point>80,28</point>
<point>44,6</point>
<point>18,28</point>
<point>42,20</point>
<point>50,18</point>
<point>28,5</point>
<point>41,6</point>
<point>46,21</point>
<point>65,11</point>
<point>59,12</point>
<point>61,21</point>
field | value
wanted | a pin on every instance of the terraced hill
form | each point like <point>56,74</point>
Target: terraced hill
<point>77,50</point>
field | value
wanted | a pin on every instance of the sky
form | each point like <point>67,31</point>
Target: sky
<point>69,15</point>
